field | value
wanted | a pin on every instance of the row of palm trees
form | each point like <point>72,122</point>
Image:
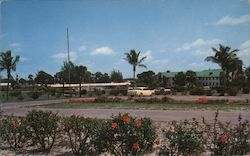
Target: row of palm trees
<point>226,58</point>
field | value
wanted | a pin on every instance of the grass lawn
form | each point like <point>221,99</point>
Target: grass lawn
<point>162,106</point>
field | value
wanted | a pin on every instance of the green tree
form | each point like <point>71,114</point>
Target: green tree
<point>134,59</point>
<point>180,79</point>
<point>8,63</point>
<point>68,72</point>
<point>190,78</point>
<point>101,77</point>
<point>147,78</point>
<point>44,78</point>
<point>247,73</point>
<point>116,76</point>
<point>225,58</point>
<point>81,71</point>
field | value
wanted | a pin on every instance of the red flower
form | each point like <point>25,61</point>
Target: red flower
<point>202,100</point>
<point>65,125</point>
<point>157,141</point>
<point>126,119</point>
<point>224,138</point>
<point>51,117</point>
<point>138,123</point>
<point>114,124</point>
<point>136,146</point>
<point>15,124</point>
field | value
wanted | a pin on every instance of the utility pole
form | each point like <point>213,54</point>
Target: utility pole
<point>68,53</point>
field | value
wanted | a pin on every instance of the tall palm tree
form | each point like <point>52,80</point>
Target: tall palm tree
<point>134,59</point>
<point>8,63</point>
<point>81,70</point>
<point>224,57</point>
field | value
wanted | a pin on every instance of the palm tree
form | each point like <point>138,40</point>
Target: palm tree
<point>81,70</point>
<point>134,59</point>
<point>8,63</point>
<point>224,57</point>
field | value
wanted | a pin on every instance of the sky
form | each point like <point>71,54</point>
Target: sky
<point>175,35</point>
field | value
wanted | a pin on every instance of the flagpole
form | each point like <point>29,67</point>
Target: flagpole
<point>68,53</point>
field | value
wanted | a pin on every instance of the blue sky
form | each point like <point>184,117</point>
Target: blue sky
<point>175,35</point>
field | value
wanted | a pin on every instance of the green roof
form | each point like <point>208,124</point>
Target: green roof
<point>209,73</point>
<point>203,73</point>
<point>169,74</point>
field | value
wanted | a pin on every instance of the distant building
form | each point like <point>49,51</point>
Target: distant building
<point>210,77</point>
<point>92,86</point>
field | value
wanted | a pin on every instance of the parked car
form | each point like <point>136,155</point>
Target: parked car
<point>141,91</point>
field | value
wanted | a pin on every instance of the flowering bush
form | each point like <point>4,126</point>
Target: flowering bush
<point>43,127</point>
<point>184,138</point>
<point>125,135</point>
<point>227,139</point>
<point>81,100</point>
<point>14,131</point>
<point>103,99</point>
<point>202,100</point>
<point>79,131</point>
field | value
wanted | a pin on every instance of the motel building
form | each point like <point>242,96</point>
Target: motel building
<point>93,86</point>
<point>210,77</point>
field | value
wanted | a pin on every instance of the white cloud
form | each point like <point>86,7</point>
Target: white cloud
<point>228,20</point>
<point>16,47</point>
<point>245,44</point>
<point>62,56</point>
<point>244,52</point>
<point>103,51</point>
<point>198,43</point>
<point>160,64</point>
<point>148,54</point>
<point>24,59</point>
<point>15,44</point>
<point>82,48</point>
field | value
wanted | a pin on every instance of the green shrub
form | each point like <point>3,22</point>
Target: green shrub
<point>167,99</point>
<point>125,135</point>
<point>245,90</point>
<point>104,99</point>
<point>43,127</point>
<point>79,131</point>
<point>117,92</point>
<point>52,91</point>
<point>13,131</point>
<point>20,97</point>
<point>184,139</point>
<point>227,139</point>
<point>147,100</point>
<point>220,90</point>
<point>196,91</point>
<point>83,92</point>
<point>15,93</point>
<point>99,92</point>
<point>34,94</point>
<point>232,91</point>
<point>177,88</point>
<point>58,94</point>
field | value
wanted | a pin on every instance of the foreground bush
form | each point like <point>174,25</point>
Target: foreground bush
<point>14,131</point>
<point>43,127</point>
<point>227,139</point>
<point>125,135</point>
<point>79,132</point>
<point>184,138</point>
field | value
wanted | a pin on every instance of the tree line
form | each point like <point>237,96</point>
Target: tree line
<point>232,66</point>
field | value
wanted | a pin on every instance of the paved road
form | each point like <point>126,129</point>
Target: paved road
<point>20,109</point>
